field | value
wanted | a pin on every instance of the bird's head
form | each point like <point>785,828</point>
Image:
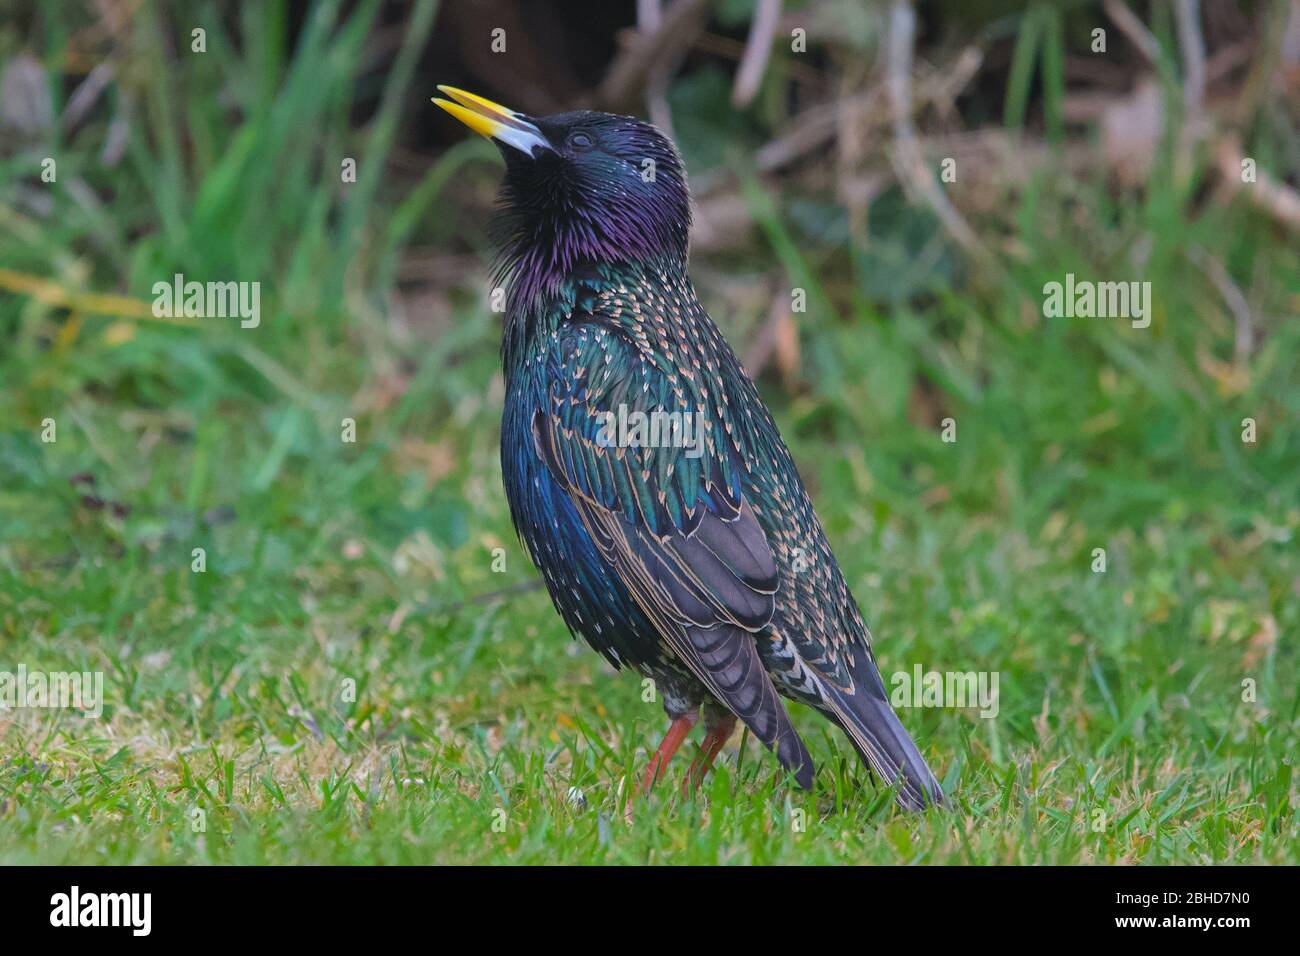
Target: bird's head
<point>579,188</point>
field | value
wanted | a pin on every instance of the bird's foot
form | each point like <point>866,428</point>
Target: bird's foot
<point>719,728</point>
<point>677,733</point>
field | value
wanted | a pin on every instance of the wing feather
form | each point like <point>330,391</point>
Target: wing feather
<point>675,529</point>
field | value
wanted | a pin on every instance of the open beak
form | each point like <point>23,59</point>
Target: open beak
<point>493,120</point>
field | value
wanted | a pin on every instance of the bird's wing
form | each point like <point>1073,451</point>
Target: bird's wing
<point>668,515</point>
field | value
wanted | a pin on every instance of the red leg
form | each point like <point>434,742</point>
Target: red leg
<point>681,726</point>
<point>719,732</point>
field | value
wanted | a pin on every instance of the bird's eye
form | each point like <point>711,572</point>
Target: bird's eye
<point>580,141</point>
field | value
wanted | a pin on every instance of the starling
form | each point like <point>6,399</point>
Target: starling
<point>689,551</point>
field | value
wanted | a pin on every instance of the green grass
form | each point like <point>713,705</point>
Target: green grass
<point>1122,734</point>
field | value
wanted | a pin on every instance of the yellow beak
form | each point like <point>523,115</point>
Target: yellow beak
<point>493,120</point>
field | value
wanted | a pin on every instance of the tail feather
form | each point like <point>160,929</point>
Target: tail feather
<point>793,755</point>
<point>729,666</point>
<point>884,745</point>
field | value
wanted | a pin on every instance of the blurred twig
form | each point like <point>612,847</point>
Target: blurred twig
<point>813,128</point>
<point>758,48</point>
<point>86,95</point>
<point>908,160</point>
<point>1244,338</point>
<point>631,69</point>
<point>1192,45</point>
<point>1276,198</point>
<point>1134,29</point>
<point>649,16</point>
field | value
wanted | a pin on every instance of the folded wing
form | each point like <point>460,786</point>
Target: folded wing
<point>669,518</point>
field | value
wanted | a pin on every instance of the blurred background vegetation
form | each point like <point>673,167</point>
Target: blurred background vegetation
<point>815,134</point>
